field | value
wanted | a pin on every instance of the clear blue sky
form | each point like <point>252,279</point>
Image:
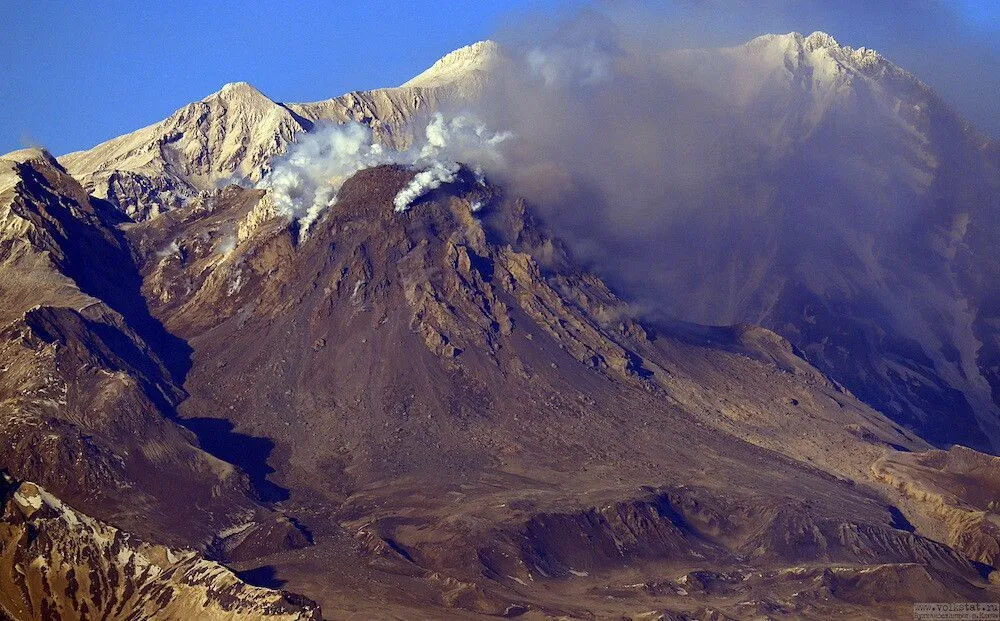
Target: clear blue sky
<point>77,73</point>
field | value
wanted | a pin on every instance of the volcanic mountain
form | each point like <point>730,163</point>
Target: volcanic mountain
<point>432,413</point>
<point>864,221</point>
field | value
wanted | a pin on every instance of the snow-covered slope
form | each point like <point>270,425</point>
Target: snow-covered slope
<point>231,136</point>
<point>460,66</point>
<point>228,135</point>
<point>792,82</point>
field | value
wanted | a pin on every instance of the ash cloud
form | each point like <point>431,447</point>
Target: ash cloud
<point>660,158</point>
<point>763,182</point>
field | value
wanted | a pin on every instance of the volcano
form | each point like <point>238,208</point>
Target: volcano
<point>440,412</point>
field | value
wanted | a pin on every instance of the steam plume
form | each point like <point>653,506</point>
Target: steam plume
<point>423,182</point>
<point>304,182</point>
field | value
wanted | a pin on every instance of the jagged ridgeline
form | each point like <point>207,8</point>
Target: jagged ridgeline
<point>348,350</point>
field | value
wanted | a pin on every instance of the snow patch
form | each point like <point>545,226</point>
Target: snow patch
<point>33,501</point>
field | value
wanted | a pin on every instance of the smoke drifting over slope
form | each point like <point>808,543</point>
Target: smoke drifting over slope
<point>630,145</point>
<point>304,182</point>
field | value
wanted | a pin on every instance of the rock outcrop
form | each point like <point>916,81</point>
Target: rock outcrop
<point>56,563</point>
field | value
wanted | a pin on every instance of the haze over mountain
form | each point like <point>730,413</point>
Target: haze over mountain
<point>813,188</point>
<point>586,328</point>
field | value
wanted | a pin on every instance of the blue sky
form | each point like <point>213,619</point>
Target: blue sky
<point>78,73</point>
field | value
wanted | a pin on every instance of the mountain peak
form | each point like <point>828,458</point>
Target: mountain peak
<point>819,39</point>
<point>453,66</point>
<point>818,49</point>
<point>815,41</point>
<point>795,42</point>
<point>238,91</point>
<point>28,154</point>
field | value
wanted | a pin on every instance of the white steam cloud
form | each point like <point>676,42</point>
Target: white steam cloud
<point>304,182</point>
<point>437,175</point>
<point>464,139</point>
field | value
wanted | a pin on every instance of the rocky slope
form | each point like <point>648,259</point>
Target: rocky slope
<point>91,381</point>
<point>56,563</point>
<point>408,358</point>
<point>959,488</point>
<point>90,378</point>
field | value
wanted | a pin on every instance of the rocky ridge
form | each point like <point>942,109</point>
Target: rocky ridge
<point>60,564</point>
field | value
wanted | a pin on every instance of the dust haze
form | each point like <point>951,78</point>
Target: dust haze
<point>687,175</point>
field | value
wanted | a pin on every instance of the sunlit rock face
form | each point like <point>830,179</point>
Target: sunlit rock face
<point>61,564</point>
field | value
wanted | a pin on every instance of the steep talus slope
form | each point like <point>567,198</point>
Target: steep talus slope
<point>56,563</point>
<point>399,359</point>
